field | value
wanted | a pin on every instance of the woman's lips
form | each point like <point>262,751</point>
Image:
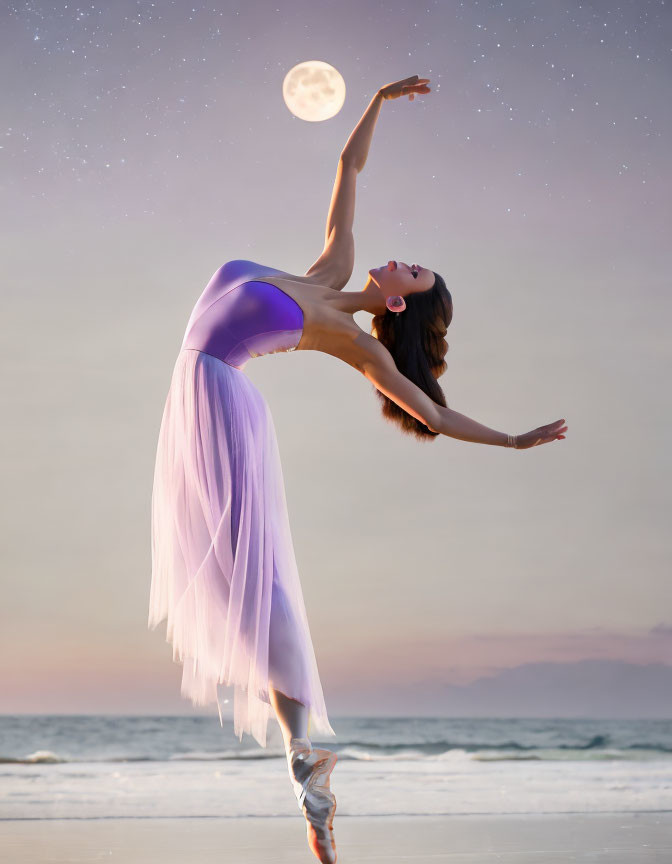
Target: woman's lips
<point>392,265</point>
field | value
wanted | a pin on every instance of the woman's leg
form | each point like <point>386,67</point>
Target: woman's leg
<point>292,716</point>
<point>287,669</point>
<point>309,768</point>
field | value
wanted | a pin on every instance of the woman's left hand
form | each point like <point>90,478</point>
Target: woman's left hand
<point>406,87</point>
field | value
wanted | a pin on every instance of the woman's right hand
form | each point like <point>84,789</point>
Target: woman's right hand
<point>541,435</point>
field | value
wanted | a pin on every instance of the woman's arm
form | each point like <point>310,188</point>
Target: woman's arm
<point>465,429</point>
<point>376,363</point>
<point>460,426</point>
<point>338,256</point>
<point>336,263</point>
<point>342,208</point>
<point>357,146</point>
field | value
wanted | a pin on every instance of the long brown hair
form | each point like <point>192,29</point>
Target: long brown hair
<point>415,339</point>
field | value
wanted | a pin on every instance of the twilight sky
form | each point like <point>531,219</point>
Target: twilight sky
<point>145,144</point>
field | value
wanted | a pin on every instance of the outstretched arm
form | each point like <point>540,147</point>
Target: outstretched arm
<point>338,256</point>
<point>337,260</point>
<point>376,363</point>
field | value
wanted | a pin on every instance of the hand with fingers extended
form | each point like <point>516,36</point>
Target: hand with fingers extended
<point>406,87</point>
<point>541,435</point>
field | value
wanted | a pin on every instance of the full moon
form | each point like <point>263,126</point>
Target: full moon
<point>313,90</point>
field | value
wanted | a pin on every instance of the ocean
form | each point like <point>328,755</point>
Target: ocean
<point>86,766</point>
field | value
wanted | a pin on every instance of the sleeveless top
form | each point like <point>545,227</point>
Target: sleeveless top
<point>238,317</point>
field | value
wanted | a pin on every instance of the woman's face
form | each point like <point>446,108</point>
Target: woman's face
<point>398,278</point>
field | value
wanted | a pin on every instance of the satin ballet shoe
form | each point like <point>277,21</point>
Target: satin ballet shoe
<point>309,770</point>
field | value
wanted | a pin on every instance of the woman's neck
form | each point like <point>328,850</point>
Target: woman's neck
<point>369,299</point>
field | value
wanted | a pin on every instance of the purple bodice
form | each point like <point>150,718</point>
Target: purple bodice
<point>238,316</point>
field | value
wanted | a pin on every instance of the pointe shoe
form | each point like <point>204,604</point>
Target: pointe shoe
<point>309,770</point>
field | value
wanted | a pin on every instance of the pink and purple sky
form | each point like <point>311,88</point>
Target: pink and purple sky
<point>145,144</point>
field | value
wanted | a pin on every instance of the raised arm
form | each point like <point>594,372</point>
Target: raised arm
<point>337,260</point>
<point>338,256</point>
<point>357,146</point>
<point>376,363</point>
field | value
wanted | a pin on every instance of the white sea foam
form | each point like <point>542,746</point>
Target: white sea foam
<point>262,788</point>
<point>86,767</point>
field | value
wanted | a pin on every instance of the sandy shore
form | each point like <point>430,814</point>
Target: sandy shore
<point>621,838</point>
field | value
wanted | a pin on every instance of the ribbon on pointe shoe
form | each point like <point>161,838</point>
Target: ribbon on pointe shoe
<point>299,770</point>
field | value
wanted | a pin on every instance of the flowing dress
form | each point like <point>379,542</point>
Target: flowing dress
<point>224,574</point>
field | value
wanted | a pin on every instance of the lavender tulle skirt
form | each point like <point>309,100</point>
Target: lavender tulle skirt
<point>224,575</point>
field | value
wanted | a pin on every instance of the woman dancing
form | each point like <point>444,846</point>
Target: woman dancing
<point>224,573</point>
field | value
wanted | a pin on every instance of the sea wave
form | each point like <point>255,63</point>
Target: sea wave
<point>597,748</point>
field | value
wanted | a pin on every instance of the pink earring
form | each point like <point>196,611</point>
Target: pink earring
<point>395,304</point>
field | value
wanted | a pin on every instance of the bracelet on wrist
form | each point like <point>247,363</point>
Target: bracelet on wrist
<point>511,440</point>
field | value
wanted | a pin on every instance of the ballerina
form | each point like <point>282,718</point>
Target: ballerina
<point>224,574</point>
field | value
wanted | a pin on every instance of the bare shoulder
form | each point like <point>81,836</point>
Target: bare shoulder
<point>327,328</point>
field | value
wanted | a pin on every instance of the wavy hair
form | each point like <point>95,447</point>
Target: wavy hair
<point>415,339</point>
